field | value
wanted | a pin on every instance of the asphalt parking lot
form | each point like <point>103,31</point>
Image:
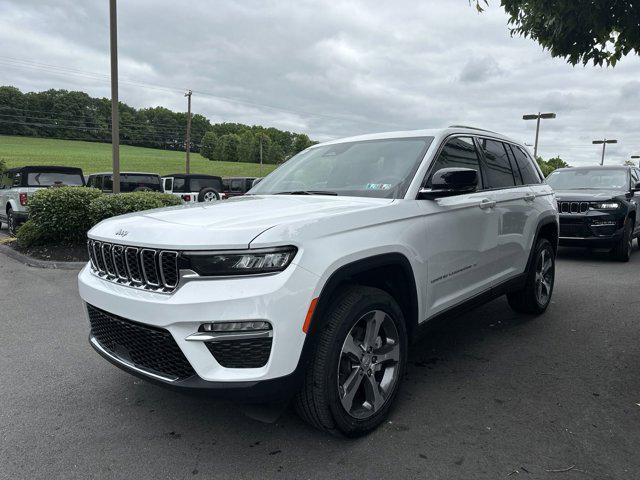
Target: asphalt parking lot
<point>490,395</point>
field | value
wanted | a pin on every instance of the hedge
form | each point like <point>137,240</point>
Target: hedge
<point>108,206</point>
<point>62,216</point>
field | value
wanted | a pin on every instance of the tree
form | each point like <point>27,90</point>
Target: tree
<point>227,147</point>
<point>208,145</point>
<point>630,163</point>
<point>548,166</point>
<point>598,31</point>
<point>301,142</point>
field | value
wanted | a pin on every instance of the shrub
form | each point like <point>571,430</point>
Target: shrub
<point>108,206</point>
<point>29,235</point>
<point>60,215</point>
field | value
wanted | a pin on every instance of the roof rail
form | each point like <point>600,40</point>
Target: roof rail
<point>473,128</point>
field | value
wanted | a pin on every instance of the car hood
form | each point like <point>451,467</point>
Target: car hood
<point>231,223</point>
<point>594,195</point>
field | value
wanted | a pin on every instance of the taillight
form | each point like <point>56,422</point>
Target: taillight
<point>186,198</point>
<point>23,199</point>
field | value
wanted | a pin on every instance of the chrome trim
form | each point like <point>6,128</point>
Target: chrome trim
<point>155,266</point>
<point>219,336</point>
<point>126,260</point>
<point>91,254</point>
<point>130,365</point>
<point>95,253</point>
<point>115,264</point>
<point>107,246</point>
<point>175,261</point>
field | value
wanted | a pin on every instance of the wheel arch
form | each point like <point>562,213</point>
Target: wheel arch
<point>549,228</point>
<point>391,272</point>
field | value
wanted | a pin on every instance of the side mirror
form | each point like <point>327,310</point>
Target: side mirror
<point>450,181</point>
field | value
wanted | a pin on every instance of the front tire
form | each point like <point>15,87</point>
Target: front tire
<point>357,364</point>
<point>535,297</point>
<point>622,251</point>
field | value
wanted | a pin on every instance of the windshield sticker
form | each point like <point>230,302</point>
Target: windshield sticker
<point>378,186</point>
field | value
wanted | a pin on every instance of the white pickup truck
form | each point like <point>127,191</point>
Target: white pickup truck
<point>17,184</point>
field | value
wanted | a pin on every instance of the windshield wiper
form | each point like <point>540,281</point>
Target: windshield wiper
<point>307,192</point>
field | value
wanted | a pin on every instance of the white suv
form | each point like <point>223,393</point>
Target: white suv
<point>313,284</point>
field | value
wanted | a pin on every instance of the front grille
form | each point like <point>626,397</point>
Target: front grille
<point>149,348</point>
<point>252,353</point>
<point>573,207</point>
<point>146,268</point>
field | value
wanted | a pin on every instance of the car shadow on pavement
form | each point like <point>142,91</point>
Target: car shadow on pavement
<point>581,254</point>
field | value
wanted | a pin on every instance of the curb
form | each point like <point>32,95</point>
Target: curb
<point>36,263</point>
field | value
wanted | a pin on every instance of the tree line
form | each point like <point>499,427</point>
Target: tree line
<point>77,116</point>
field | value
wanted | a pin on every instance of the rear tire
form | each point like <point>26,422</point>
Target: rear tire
<point>535,297</point>
<point>357,365</point>
<point>622,251</point>
<point>11,222</point>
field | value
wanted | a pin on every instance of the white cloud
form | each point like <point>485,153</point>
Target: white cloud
<point>335,68</point>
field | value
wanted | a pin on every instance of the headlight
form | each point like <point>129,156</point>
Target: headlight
<point>240,262</point>
<point>604,205</point>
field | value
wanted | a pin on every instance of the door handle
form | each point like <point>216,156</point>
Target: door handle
<point>530,197</point>
<point>485,203</point>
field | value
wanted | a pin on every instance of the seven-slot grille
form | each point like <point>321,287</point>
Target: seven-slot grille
<point>573,207</point>
<point>147,347</point>
<point>146,268</point>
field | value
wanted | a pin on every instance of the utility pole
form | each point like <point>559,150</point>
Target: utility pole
<point>115,115</point>
<point>260,152</point>
<point>537,117</point>
<point>188,143</point>
<point>604,146</point>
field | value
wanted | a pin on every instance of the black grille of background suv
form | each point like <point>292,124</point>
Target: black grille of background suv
<point>148,348</point>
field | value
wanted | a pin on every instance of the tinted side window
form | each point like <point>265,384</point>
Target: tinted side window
<point>459,152</point>
<point>525,164</point>
<point>497,166</point>
<point>178,184</point>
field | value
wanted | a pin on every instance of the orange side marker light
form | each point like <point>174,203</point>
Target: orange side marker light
<point>307,320</point>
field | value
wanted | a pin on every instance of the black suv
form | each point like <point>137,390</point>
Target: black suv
<point>598,207</point>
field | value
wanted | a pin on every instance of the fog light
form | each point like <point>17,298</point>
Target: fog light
<point>250,326</point>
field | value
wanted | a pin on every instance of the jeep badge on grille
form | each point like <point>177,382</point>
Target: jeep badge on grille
<point>122,233</point>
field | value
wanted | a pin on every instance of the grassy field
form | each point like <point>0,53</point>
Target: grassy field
<point>96,157</point>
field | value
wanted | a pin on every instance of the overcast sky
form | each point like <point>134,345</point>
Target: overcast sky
<point>329,68</point>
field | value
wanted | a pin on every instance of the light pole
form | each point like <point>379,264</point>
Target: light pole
<point>188,144</point>
<point>537,117</point>
<point>115,117</point>
<point>604,146</point>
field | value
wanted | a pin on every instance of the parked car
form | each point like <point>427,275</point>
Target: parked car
<point>313,285</point>
<point>598,207</point>
<point>129,182</point>
<point>236,186</point>
<point>193,188</point>
<point>17,184</point>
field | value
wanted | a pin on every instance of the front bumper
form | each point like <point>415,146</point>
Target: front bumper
<point>282,299</point>
<point>593,229</point>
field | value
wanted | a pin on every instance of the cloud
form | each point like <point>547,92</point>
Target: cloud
<point>327,68</point>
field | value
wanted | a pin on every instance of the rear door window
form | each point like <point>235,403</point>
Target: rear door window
<point>498,170</point>
<point>528,171</point>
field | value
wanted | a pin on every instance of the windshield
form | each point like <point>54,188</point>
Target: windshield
<point>589,178</point>
<point>372,168</point>
<point>49,179</point>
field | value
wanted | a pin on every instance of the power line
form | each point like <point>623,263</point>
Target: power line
<point>97,76</point>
